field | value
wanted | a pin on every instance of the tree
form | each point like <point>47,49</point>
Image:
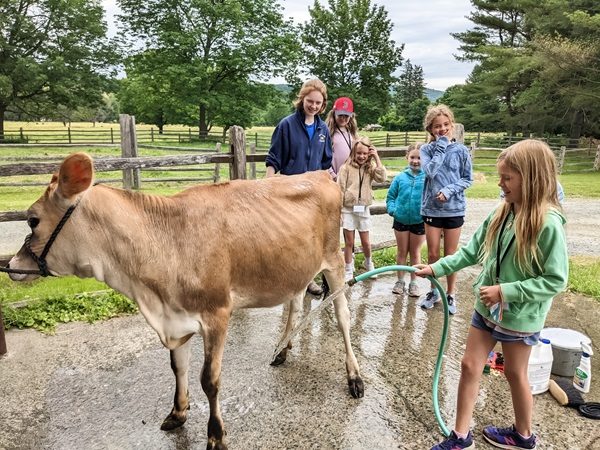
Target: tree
<point>537,66</point>
<point>52,55</point>
<point>409,98</point>
<point>348,46</point>
<point>205,57</point>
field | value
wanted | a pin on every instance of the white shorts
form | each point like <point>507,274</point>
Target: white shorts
<point>356,221</point>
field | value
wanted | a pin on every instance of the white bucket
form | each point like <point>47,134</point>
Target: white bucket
<point>540,364</point>
<point>566,349</point>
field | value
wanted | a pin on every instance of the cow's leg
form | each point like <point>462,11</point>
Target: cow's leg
<point>335,278</point>
<point>294,311</point>
<point>215,333</point>
<point>180,363</point>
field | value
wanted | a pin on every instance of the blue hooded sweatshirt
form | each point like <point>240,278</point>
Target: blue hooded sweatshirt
<point>403,199</point>
<point>448,169</point>
<point>292,152</point>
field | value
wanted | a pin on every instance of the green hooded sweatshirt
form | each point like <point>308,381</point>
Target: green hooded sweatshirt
<point>527,298</point>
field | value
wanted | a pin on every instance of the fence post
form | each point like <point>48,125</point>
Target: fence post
<point>597,159</point>
<point>190,134</point>
<point>253,164</point>
<point>478,138</point>
<point>387,139</point>
<point>473,148</point>
<point>561,158</point>
<point>21,136</point>
<point>3,348</point>
<point>459,133</point>
<point>151,134</point>
<point>112,136</point>
<point>131,177</point>
<point>237,145</point>
<point>405,137</point>
<point>217,175</point>
<point>69,133</point>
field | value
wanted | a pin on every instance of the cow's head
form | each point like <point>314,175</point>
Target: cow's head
<point>43,217</point>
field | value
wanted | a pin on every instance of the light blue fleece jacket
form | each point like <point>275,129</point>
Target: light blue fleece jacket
<point>403,199</point>
<point>448,169</point>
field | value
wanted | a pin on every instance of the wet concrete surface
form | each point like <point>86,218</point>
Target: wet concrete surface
<point>109,385</point>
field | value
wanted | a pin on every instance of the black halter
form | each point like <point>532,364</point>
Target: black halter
<point>41,260</point>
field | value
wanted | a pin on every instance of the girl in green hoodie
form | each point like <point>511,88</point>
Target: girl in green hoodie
<point>522,248</point>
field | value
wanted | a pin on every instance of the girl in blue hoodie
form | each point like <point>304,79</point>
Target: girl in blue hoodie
<point>448,172</point>
<point>404,205</point>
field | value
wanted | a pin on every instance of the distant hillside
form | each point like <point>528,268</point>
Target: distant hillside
<point>433,94</point>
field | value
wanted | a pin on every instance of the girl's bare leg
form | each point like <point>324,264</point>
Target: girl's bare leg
<point>516,361</point>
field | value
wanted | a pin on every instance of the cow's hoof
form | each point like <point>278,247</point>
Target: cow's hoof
<point>356,387</point>
<point>213,444</point>
<point>279,359</point>
<point>172,422</point>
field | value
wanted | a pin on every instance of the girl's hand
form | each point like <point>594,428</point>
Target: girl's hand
<point>441,197</point>
<point>425,270</point>
<point>490,295</point>
<point>373,152</point>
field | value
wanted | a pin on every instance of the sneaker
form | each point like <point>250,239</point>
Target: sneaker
<point>413,289</point>
<point>369,267</point>
<point>399,287</point>
<point>508,438</point>
<point>453,442</point>
<point>451,303</point>
<point>431,298</point>
<point>314,289</point>
<point>348,274</point>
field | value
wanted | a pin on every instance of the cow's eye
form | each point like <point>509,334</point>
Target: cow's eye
<point>33,222</point>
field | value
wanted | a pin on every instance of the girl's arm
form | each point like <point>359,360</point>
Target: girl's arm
<point>392,195</point>
<point>552,246</point>
<point>466,178</point>
<point>379,174</point>
<point>432,156</point>
<point>466,255</point>
<point>342,176</point>
<point>276,151</point>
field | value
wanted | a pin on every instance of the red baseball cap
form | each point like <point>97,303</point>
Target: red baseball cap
<point>343,106</point>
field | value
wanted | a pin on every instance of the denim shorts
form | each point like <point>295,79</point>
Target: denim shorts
<point>478,322</point>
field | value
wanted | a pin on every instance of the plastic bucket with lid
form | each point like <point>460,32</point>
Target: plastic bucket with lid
<point>566,349</point>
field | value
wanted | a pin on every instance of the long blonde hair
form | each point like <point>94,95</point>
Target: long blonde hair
<point>370,164</point>
<point>432,112</point>
<point>311,85</point>
<point>536,164</point>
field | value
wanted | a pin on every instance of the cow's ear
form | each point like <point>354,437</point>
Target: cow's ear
<point>75,174</point>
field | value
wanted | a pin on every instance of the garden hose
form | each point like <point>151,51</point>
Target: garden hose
<point>438,363</point>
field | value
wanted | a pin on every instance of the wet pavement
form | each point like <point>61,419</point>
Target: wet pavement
<point>109,385</point>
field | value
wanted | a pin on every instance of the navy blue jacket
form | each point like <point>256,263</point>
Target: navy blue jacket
<point>292,152</point>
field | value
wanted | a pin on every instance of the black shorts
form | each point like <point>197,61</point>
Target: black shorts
<point>417,228</point>
<point>446,223</point>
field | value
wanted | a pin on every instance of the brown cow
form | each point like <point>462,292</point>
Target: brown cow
<point>189,260</point>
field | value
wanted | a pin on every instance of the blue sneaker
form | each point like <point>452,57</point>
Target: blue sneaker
<point>453,442</point>
<point>431,298</point>
<point>451,303</point>
<point>508,438</point>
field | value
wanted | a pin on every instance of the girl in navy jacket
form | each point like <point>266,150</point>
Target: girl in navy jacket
<point>301,141</point>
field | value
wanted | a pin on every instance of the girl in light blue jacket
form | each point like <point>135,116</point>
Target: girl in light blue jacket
<point>404,205</point>
<point>448,172</point>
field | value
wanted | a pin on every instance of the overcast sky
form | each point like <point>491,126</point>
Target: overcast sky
<point>423,26</point>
